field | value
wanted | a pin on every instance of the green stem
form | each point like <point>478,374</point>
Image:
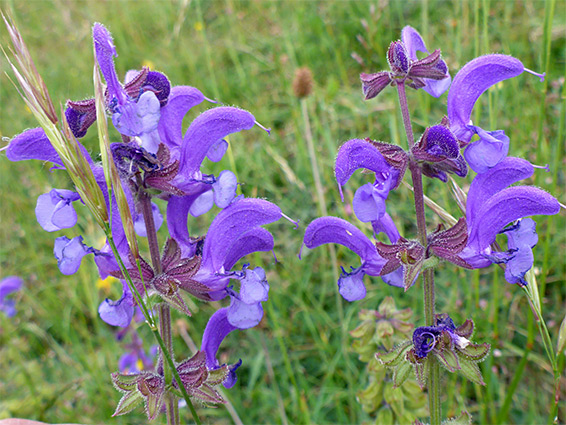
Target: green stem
<point>428,276</point>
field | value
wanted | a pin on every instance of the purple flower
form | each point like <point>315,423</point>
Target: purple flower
<point>439,153</point>
<point>415,43</point>
<point>471,81</point>
<point>69,253</point>
<point>218,328</point>
<point>430,73</point>
<point>356,154</point>
<point>54,210</point>
<point>120,312</point>
<point>9,285</point>
<point>325,230</point>
<point>491,205</point>
<point>521,239</point>
<point>135,107</point>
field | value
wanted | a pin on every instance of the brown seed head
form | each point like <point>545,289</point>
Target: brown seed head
<point>302,83</point>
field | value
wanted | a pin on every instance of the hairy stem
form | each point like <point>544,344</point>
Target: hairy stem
<point>428,275</point>
<point>164,312</point>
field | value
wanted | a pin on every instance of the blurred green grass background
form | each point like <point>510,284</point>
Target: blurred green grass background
<point>56,355</point>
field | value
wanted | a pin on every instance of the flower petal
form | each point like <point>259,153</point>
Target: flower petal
<point>118,313</point>
<point>242,315</point>
<point>351,285</point>
<point>485,185</point>
<point>69,253</point>
<point>367,205</point>
<point>202,204</point>
<point>232,222</point>
<point>34,144</point>
<point>254,240</point>
<point>356,154</point>
<point>471,81</point>
<point>181,100</point>
<point>325,230</point>
<point>10,284</point>
<point>254,286</point>
<point>415,43</point>
<point>224,188</point>
<point>217,328</point>
<point>105,52</point>
<point>54,210</point>
<point>488,151</point>
<point>506,206</point>
<point>177,213</point>
<point>207,129</point>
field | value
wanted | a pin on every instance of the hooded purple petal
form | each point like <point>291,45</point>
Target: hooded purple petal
<point>471,81</point>
<point>105,53</point>
<point>118,313</point>
<point>207,129</point>
<point>506,206</point>
<point>69,253</point>
<point>181,100</point>
<point>485,185</point>
<point>232,222</point>
<point>356,154</point>
<point>177,213</point>
<point>325,230</point>
<point>255,240</point>
<point>54,210</point>
<point>34,144</point>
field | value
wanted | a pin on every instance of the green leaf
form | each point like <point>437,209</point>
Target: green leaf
<point>384,416</point>
<point>393,357</point>
<point>128,403</point>
<point>401,373</point>
<point>475,352</point>
<point>384,329</point>
<point>153,404</point>
<point>471,371</point>
<point>387,307</point>
<point>448,359</point>
<point>464,419</point>
<point>125,381</point>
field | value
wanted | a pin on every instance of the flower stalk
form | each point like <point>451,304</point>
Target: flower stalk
<point>428,275</point>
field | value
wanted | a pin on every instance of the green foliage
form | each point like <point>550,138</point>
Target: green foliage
<point>389,398</point>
